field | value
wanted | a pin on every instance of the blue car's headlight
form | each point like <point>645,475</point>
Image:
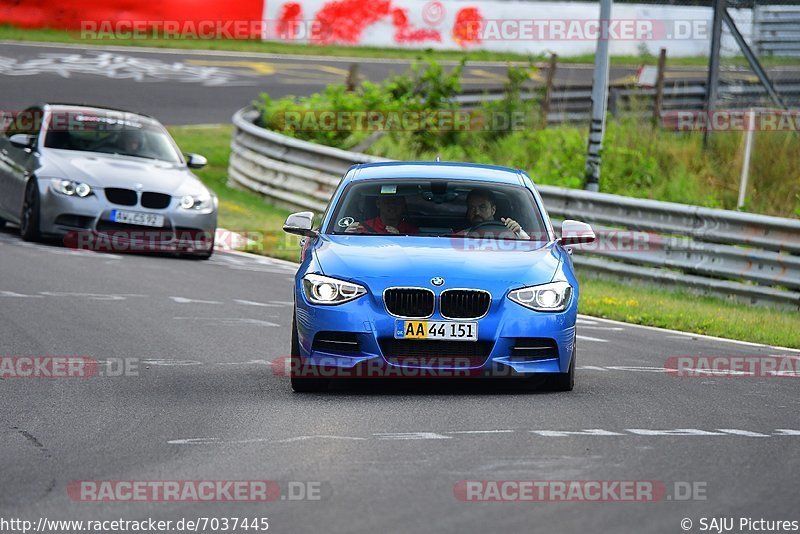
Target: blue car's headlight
<point>321,289</point>
<point>71,188</point>
<point>552,297</point>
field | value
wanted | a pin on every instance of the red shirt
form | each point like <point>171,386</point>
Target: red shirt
<point>380,228</point>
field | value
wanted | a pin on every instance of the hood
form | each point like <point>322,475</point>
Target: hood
<point>105,170</point>
<point>409,260</point>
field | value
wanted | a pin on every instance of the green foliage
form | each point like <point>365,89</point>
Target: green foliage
<point>640,159</point>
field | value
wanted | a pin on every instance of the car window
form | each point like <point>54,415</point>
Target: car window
<point>111,133</point>
<point>437,208</point>
<point>27,122</point>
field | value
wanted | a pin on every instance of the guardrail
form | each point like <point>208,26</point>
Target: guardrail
<point>573,103</point>
<point>776,30</point>
<point>728,253</point>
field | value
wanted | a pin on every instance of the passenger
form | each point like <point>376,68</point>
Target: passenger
<point>391,211</point>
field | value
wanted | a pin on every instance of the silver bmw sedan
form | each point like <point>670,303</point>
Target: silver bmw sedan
<point>103,179</point>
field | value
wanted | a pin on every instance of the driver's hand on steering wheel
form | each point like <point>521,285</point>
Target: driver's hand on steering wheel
<point>512,225</point>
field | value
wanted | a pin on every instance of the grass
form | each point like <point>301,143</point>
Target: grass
<point>247,212</point>
<point>239,211</point>
<point>8,32</point>
<point>639,160</point>
<point>688,312</point>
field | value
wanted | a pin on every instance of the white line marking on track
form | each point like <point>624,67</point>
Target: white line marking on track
<point>184,300</point>
<point>90,296</point>
<point>747,433</point>
<point>253,303</point>
<point>480,432</point>
<point>607,328</point>
<point>220,441</point>
<point>683,334</point>
<point>228,321</point>
<point>595,339</point>
<point>566,433</point>
<point>11,294</point>
<point>410,435</point>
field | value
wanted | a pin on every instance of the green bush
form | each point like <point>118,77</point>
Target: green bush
<point>639,159</point>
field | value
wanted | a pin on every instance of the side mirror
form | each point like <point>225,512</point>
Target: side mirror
<point>300,224</point>
<point>576,232</point>
<point>22,140</point>
<point>195,161</point>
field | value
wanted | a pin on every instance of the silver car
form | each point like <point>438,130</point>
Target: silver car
<point>103,179</point>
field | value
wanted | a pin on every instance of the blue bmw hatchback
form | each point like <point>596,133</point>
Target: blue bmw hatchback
<point>434,269</point>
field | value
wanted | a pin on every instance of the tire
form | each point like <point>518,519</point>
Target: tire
<point>302,384</point>
<point>564,381</point>
<point>199,256</point>
<point>29,219</point>
<point>2,223</point>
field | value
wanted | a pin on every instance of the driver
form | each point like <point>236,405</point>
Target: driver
<point>391,210</point>
<point>481,207</point>
<point>130,141</point>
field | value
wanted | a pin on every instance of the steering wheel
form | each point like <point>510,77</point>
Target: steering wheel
<point>487,224</point>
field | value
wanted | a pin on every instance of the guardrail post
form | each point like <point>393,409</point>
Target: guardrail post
<point>548,88</point>
<point>352,78</point>
<point>599,101</point>
<point>659,98</point>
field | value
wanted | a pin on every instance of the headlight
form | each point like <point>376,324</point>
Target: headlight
<point>546,297</point>
<point>196,202</point>
<point>71,188</point>
<point>321,289</point>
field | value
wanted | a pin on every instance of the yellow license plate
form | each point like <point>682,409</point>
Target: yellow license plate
<point>447,330</point>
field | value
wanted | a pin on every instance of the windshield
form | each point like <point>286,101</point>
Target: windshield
<point>438,208</point>
<point>111,133</point>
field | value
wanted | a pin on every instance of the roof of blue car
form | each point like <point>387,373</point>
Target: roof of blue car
<point>434,169</point>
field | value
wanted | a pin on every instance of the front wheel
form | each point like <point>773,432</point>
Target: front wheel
<point>564,381</point>
<point>29,221</point>
<point>300,383</point>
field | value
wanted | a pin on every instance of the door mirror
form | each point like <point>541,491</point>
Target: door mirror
<point>576,232</point>
<point>300,224</point>
<point>196,161</point>
<point>22,140</point>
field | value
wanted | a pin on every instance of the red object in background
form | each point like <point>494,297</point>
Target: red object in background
<point>69,14</point>
<point>344,21</point>
<point>404,32</point>
<point>466,30</point>
<point>288,20</point>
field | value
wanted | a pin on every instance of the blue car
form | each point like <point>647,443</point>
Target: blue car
<point>422,269</point>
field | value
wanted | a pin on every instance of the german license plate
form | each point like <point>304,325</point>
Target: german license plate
<point>137,217</point>
<point>451,330</point>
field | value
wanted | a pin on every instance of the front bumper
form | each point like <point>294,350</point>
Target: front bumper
<point>500,330</point>
<point>86,223</point>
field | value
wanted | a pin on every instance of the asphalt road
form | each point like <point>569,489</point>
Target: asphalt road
<point>185,87</point>
<point>201,401</point>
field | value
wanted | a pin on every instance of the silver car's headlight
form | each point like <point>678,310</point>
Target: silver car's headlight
<point>196,202</point>
<point>71,188</point>
<point>552,297</point>
<point>321,289</point>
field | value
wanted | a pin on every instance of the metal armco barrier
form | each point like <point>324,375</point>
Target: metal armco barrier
<point>573,103</point>
<point>728,253</point>
<point>776,30</point>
